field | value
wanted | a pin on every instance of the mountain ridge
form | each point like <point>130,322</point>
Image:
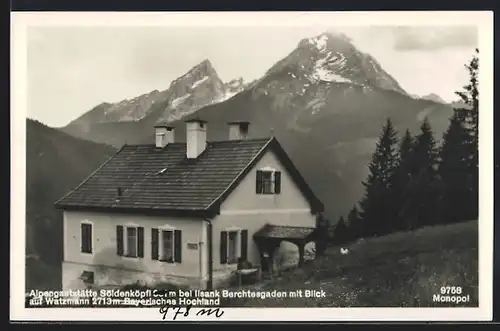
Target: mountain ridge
<point>325,101</point>
<point>198,87</point>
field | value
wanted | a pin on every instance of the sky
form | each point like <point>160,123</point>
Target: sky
<point>72,69</point>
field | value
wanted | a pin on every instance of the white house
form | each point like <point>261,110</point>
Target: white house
<point>184,213</point>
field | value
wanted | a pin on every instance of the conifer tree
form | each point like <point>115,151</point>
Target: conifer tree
<point>353,223</point>
<point>459,165</point>
<point>454,169</point>
<point>470,95</point>
<point>340,232</point>
<point>401,180</point>
<point>421,202</point>
<point>376,207</point>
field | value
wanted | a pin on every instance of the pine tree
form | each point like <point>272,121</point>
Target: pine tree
<point>470,95</point>
<point>459,166</point>
<point>340,232</point>
<point>421,202</point>
<point>454,168</point>
<point>401,179</point>
<point>354,223</point>
<point>377,214</point>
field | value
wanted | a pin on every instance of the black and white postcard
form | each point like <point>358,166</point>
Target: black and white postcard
<point>187,164</point>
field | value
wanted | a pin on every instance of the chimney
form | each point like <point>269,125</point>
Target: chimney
<point>196,137</point>
<point>238,130</point>
<point>164,135</point>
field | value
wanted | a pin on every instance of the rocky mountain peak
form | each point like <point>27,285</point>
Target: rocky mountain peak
<point>199,87</point>
<point>333,58</point>
<point>199,74</point>
<point>328,41</point>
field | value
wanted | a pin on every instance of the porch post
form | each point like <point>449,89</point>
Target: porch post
<point>271,249</point>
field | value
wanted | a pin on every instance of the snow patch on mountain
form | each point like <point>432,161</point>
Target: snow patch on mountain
<point>176,102</point>
<point>322,72</point>
<point>319,42</point>
<point>198,82</point>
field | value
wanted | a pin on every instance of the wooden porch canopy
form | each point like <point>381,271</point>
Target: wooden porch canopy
<point>269,237</point>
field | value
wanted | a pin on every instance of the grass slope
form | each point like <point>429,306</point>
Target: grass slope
<point>398,270</point>
<point>55,163</point>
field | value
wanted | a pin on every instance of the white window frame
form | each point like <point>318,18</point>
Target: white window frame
<point>273,180</point>
<point>125,240</point>
<point>238,244</point>
<point>161,247</point>
<point>91,237</point>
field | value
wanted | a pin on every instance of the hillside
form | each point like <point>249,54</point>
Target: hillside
<point>398,270</point>
<point>56,162</point>
<point>325,102</point>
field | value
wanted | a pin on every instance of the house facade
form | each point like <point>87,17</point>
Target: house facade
<point>185,213</point>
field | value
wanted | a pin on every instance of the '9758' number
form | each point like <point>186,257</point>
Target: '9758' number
<point>451,290</point>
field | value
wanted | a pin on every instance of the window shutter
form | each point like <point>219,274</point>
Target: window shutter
<point>89,238</point>
<point>277,182</point>
<point>178,246</point>
<point>119,240</point>
<point>154,244</point>
<point>258,182</point>
<point>82,237</point>
<point>140,241</point>
<point>223,247</point>
<point>244,244</point>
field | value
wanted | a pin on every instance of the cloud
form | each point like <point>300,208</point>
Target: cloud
<point>434,38</point>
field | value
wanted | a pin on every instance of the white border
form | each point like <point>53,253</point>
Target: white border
<point>21,20</point>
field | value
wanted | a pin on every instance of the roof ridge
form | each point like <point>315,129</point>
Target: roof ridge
<point>208,141</point>
<point>239,140</point>
<point>152,144</point>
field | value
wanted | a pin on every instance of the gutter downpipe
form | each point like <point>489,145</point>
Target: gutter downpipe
<point>210,254</point>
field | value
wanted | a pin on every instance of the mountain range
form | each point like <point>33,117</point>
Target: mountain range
<point>325,101</point>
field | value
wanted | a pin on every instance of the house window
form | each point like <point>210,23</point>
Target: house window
<point>86,238</point>
<point>166,245</point>
<point>130,241</point>
<point>233,245</point>
<point>268,182</point>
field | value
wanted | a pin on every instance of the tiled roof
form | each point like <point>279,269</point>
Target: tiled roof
<point>164,179</point>
<point>284,232</point>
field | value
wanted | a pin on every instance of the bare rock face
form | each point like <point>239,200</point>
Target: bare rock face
<point>199,87</point>
<point>333,58</point>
